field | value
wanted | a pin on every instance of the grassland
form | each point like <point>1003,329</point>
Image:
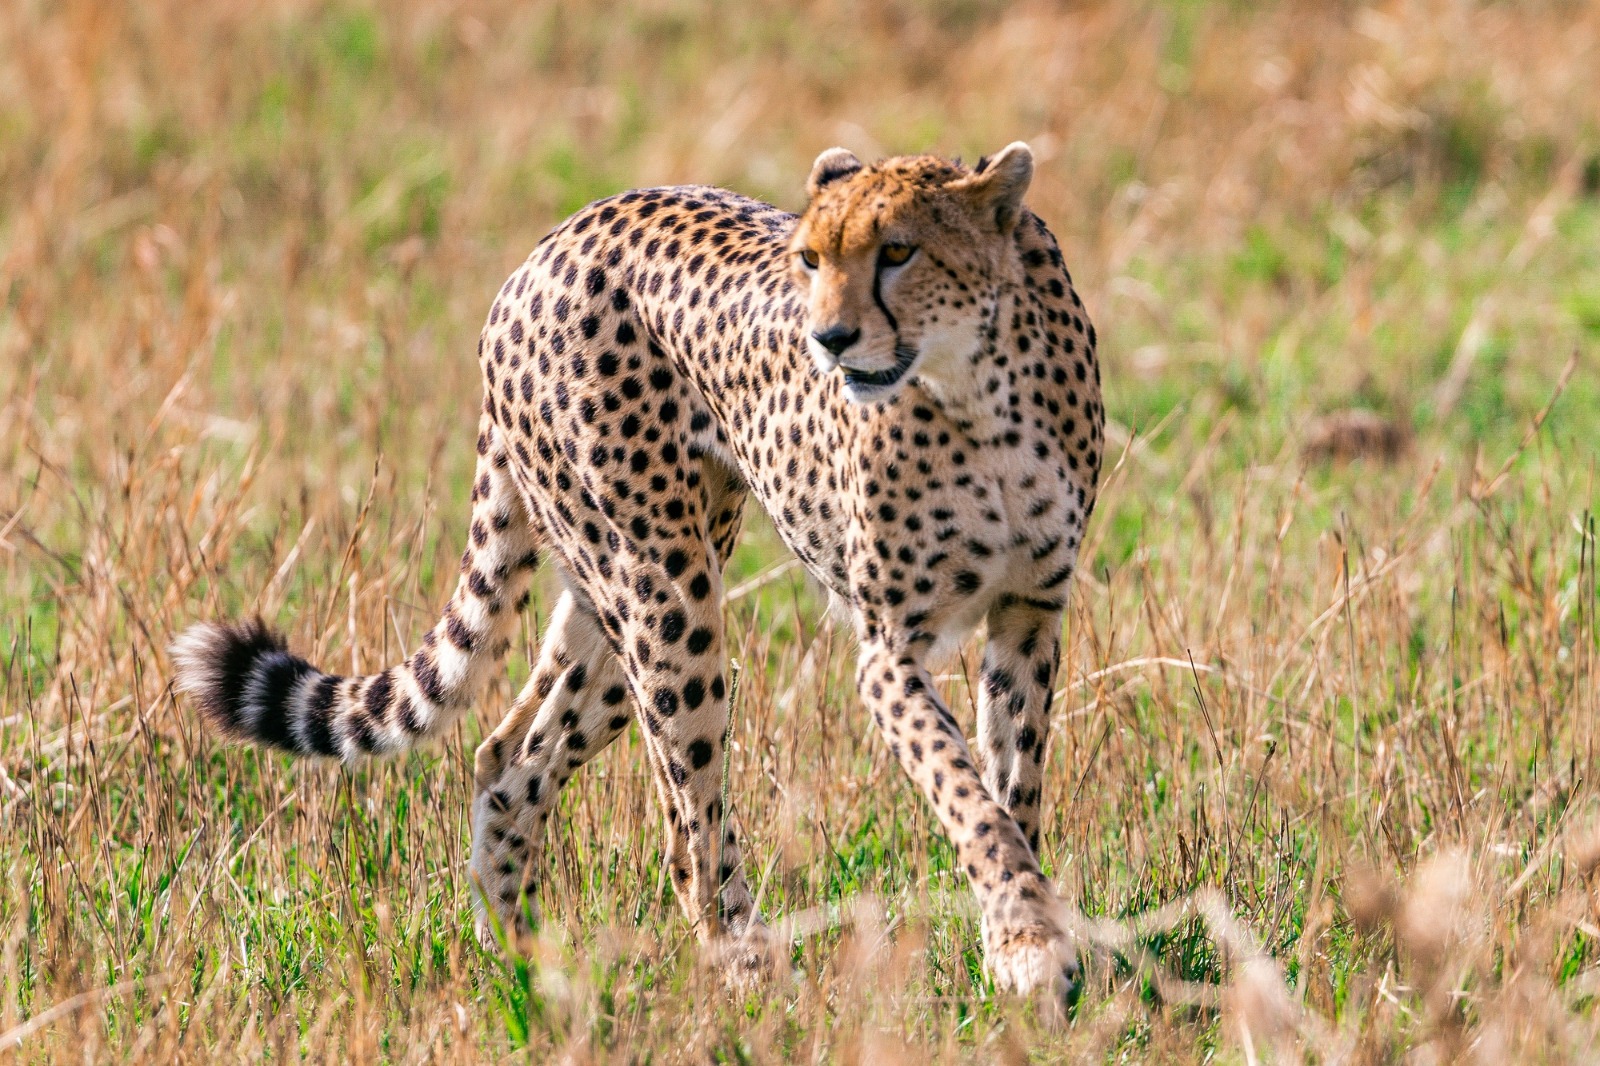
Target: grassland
<point>1323,768</point>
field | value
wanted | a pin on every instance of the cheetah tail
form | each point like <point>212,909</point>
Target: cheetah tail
<point>250,687</point>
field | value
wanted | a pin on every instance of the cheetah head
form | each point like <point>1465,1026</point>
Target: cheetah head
<point>904,262</point>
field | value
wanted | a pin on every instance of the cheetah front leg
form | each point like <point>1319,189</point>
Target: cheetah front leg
<point>1014,692</point>
<point>1024,945</point>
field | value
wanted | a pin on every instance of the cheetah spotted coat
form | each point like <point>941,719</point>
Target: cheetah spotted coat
<point>904,379</point>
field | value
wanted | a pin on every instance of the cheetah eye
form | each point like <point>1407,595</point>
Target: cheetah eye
<point>894,255</point>
<point>810,258</point>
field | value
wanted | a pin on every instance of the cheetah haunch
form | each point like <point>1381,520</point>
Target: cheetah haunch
<point>903,377</point>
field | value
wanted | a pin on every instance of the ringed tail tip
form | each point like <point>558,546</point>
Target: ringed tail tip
<point>218,664</point>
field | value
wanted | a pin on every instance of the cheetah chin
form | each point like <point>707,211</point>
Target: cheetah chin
<point>869,386</point>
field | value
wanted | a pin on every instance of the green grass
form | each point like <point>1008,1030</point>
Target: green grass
<point>243,261</point>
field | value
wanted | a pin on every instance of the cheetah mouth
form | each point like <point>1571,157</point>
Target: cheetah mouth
<point>871,381</point>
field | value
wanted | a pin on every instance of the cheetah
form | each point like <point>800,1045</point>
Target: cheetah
<point>903,377</point>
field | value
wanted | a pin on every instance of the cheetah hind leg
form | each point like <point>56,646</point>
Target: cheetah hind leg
<point>573,706</point>
<point>744,951</point>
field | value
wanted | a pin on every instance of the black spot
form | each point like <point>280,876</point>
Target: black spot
<point>426,673</point>
<point>672,626</point>
<point>457,631</point>
<point>694,693</point>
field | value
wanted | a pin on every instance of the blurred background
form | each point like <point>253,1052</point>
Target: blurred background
<point>1291,206</point>
<point>1341,256</point>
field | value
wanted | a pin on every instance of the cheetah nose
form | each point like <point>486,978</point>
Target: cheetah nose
<point>836,338</point>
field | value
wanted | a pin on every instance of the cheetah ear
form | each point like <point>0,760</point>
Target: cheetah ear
<point>830,166</point>
<point>998,185</point>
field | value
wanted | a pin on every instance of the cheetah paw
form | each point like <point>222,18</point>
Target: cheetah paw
<point>1035,960</point>
<point>747,959</point>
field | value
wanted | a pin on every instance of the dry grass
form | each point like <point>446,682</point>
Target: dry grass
<point>1323,770</point>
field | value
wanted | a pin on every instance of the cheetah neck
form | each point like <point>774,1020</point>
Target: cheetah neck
<point>976,392</point>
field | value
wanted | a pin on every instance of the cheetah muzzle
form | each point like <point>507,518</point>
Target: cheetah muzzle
<point>862,385</point>
<point>903,378</point>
